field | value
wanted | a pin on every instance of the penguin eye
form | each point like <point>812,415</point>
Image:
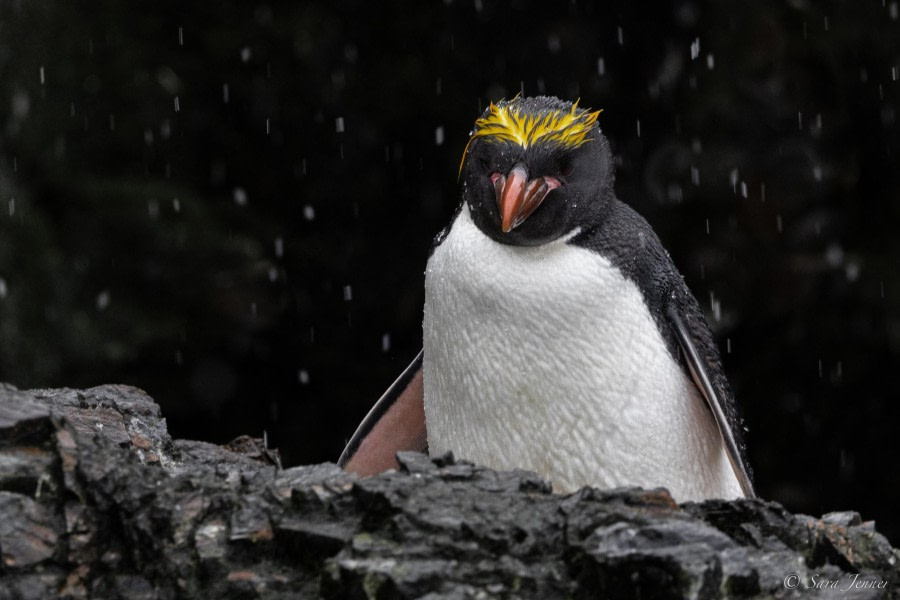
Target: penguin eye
<point>486,164</point>
<point>566,169</point>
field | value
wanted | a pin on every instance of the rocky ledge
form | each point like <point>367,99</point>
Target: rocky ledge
<point>97,501</point>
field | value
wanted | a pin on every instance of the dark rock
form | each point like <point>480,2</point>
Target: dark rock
<point>21,419</point>
<point>29,531</point>
<point>24,469</point>
<point>97,501</point>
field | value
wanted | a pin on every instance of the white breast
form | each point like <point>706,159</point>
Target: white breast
<point>547,358</point>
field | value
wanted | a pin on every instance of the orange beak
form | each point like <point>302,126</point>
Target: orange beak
<point>517,197</point>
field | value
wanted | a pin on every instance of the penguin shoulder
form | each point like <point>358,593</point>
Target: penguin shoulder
<point>443,233</point>
<point>625,239</point>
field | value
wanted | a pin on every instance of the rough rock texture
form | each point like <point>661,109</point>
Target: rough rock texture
<point>97,501</point>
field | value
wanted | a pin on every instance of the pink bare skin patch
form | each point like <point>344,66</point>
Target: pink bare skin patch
<point>402,427</point>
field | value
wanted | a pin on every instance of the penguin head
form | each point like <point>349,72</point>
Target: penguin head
<point>535,169</point>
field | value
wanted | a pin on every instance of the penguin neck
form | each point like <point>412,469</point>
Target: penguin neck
<point>600,209</point>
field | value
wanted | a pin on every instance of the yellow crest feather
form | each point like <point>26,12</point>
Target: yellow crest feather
<point>505,122</point>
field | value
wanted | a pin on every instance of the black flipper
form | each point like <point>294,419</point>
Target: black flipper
<point>395,423</point>
<point>628,241</point>
<point>699,372</point>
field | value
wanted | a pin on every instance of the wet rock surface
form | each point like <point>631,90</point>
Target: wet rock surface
<point>97,501</point>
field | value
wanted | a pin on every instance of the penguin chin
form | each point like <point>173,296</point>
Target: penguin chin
<point>488,222</point>
<point>520,238</point>
<point>535,231</point>
<point>543,227</point>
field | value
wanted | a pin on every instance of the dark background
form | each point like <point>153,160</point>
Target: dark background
<point>230,204</point>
